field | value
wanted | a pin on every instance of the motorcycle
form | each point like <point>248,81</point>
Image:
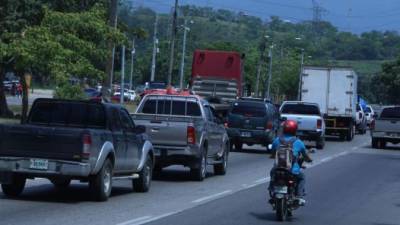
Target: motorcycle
<point>283,187</point>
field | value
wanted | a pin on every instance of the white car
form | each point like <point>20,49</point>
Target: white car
<point>369,114</point>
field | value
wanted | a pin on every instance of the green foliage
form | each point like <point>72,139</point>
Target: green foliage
<point>68,91</point>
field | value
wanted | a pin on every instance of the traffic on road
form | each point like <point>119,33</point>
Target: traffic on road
<point>226,141</point>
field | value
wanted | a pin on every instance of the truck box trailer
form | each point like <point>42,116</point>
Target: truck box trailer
<point>334,89</point>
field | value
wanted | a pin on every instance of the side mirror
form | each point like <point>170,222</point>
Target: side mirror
<point>140,129</point>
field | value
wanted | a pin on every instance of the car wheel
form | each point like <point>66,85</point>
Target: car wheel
<point>374,143</point>
<point>320,144</point>
<point>15,188</point>
<point>350,134</point>
<point>60,183</point>
<point>220,168</point>
<point>200,172</point>
<point>143,183</point>
<point>238,146</point>
<point>101,184</point>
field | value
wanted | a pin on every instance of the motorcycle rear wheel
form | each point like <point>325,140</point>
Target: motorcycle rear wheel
<point>281,209</point>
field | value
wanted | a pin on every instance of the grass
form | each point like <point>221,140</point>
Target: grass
<point>131,107</point>
<point>9,121</point>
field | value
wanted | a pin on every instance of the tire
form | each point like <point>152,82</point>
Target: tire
<point>15,188</point>
<point>320,144</point>
<point>101,184</point>
<point>220,169</point>
<point>381,144</point>
<point>281,209</point>
<point>374,143</point>
<point>143,183</point>
<point>238,146</point>
<point>350,134</point>
<point>61,183</point>
<point>199,173</point>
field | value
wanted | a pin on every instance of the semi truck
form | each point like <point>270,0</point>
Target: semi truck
<point>334,89</point>
<point>218,77</point>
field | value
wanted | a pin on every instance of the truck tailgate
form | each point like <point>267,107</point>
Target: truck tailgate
<point>304,122</point>
<point>40,142</point>
<point>387,125</point>
<point>165,130</point>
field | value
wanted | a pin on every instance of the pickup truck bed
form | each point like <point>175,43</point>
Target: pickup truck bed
<point>386,128</point>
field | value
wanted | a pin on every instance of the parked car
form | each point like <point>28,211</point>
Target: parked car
<point>369,114</point>
<point>361,120</point>
<point>75,140</point>
<point>386,127</point>
<point>252,121</point>
<point>185,132</point>
<point>92,94</point>
<point>311,125</point>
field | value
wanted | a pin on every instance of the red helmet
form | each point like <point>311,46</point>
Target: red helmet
<point>290,127</point>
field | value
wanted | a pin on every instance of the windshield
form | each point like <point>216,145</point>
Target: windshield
<point>69,114</point>
<point>300,109</point>
<point>249,109</point>
<point>391,113</point>
<point>157,86</point>
<point>368,110</point>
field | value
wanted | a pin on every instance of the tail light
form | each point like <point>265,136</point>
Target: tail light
<point>226,125</point>
<point>372,126</point>
<point>269,126</point>
<point>191,135</point>
<point>319,124</point>
<point>87,143</point>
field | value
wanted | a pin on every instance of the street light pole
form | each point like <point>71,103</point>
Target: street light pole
<point>171,57</point>
<point>260,62</point>
<point>121,99</point>
<point>300,76</point>
<point>155,43</point>
<point>269,72</point>
<point>185,30</point>
<point>132,58</point>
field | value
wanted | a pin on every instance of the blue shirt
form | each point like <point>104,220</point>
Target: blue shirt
<point>298,148</point>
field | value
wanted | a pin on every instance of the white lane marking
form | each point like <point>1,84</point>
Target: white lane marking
<point>134,221</point>
<point>212,196</point>
<point>155,218</point>
<point>262,180</point>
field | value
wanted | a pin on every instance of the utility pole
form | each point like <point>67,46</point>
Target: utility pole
<point>269,72</point>
<point>132,58</point>
<point>113,58</point>
<point>155,44</point>
<point>260,62</point>
<point>173,34</point>
<point>301,76</point>
<point>185,30</point>
<point>112,22</point>
<point>121,99</point>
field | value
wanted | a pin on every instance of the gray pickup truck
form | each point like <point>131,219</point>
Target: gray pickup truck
<point>75,140</point>
<point>184,131</point>
<point>310,122</point>
<point>386,127</point>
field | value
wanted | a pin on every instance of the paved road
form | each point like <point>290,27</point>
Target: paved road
<point>341,178</point>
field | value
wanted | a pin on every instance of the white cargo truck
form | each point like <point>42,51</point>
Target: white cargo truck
<point>334,89</point>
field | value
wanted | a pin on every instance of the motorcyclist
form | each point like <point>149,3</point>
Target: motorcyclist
<point>299,154</point>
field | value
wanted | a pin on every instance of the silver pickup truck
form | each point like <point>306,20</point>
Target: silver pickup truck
<point>386,127</point>
<point>75,140</point>
<point>310,122</point>
<point>184,131</point>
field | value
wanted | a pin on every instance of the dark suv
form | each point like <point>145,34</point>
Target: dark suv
<point>252,121</point>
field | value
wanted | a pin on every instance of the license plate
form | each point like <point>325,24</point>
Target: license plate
<point>39,164</point>
<point>245,134</point>
<point>280,189</point>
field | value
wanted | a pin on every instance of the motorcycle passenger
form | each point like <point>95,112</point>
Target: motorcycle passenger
<point>299,154</point>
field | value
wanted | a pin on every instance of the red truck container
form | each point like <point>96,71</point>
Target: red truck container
<point>217,75</point>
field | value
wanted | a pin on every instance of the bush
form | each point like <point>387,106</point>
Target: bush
<point>68,91</point>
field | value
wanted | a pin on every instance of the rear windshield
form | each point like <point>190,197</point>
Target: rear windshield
<point>300,109</point>
<point>393,112</point>
<point>68,114</point>
<point>171,107</point>
<point>249,109</point>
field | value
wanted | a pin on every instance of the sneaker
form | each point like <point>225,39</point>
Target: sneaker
<point>301,201</point>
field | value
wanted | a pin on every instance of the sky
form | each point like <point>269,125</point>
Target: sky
<point>356,16</point>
